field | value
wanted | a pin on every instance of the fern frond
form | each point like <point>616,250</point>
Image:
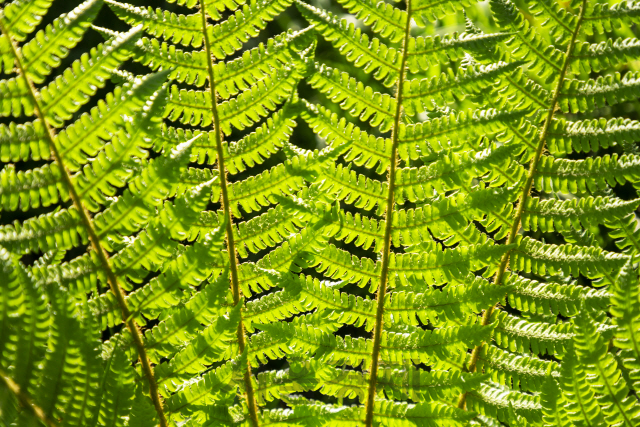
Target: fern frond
<point>272,385</point>
<point>251,150</point>
<point>496,401</point>
<point>430,10</point>
<point>227,37</point>
<point>579,96</point>
<point>590,135</point>
<point>421,386</point>
<point>428,346</point>
<point>186,67</point>
<point>73,88</point>
<point>15,98</point>
<point>363,149</point>
<point>439,307</point>
<point>85,137</point>
<point>359,100</point>
<point>193,107</point>
<point>359,190</point>
<point>292,255</point>
<point>519,335</point>
<point>561,215</point>
<point>281,180</point>
<point>425,94</point>
<point>231,77</point>
<point>581,404</point>
<point>559,21</point>
<point>546,298</point>
<point>22,142</point>
<point>32,188</point>
<point>119,159</point>
<point>176,330</point>
<point>211,345</point>
<point>276,306</point>
<point>412,226</point>
<point>22,17</point>
<point>520,91</point>
<point>627,234</point>
<point>625,301</point>
<point>214,386</point>
<point>600,56</point>
<point>423,52</point>
<point>401,414</point>
<point>585,176</point>
<point>149,189</point>
<point>327,348</point>
<point>6,60</point>
<point>218,234</point>
<point>540,258</point>
<point>62,230</point>
<point>151,248</point>
<point>604,17</point>
<point>450,172</point>
<point>437,266</point>
<point>383,18</point>
<point>189,269</point>
<point>515,369</point>
<point>44,52</point>
<point>553,405</point>
<point>451,131</point>
<point>611,390</point>
<point>340,383</point>
<point>339,306</point>
<point>266,230</point>
<point>526,44</point>
<point>173,27</point>
<point>357,229</point>
<point>340,264</point>
<point>85,385</point>
<point>372,56</point>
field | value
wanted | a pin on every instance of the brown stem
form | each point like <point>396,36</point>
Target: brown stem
<point>386,245</point>
<point>25,401</point>
<point>228,220</point>
<point>526,191</point>
<point>102,255</point>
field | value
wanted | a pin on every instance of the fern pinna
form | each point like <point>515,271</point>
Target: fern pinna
<point>465,254</point>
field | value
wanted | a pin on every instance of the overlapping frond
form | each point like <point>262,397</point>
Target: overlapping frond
<point>362,222</point>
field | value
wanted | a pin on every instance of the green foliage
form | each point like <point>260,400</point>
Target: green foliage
<point>360,222</point>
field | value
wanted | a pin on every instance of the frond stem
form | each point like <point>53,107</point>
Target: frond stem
<point>25,400</point>
<point>386,245</point>
<point>102,255</point>
<point>526,191</point>
<point>228,219</point>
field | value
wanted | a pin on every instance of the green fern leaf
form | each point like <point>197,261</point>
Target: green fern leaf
<point>625,300</point>
<point>354,45</point>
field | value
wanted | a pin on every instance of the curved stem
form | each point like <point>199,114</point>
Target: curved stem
<point>102,255</point>
<point>228,219</point>
<point>526,191</point>
<point>386,244</point>
<point>25,400</point>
